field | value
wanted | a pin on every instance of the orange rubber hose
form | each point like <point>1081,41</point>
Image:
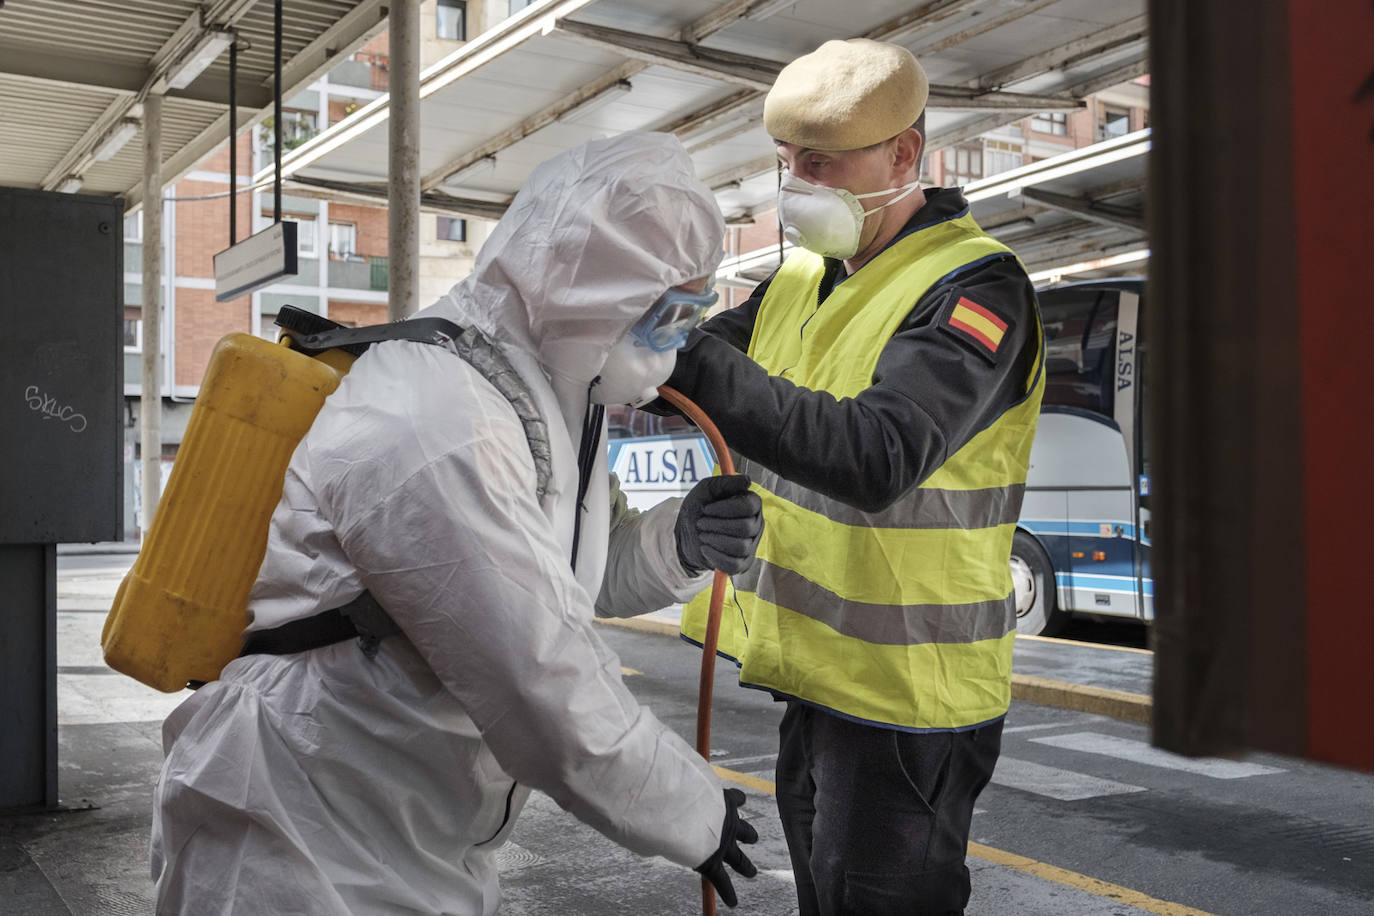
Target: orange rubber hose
<point>708,649</point>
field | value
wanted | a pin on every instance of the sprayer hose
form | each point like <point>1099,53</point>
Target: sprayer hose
<point>708,651</point>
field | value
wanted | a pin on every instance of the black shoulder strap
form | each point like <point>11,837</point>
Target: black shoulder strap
<point>311,333</point>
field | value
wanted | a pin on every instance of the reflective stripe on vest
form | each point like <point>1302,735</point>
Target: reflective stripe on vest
<point>903,617</point>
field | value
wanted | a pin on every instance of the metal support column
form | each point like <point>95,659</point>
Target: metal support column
<point>403,184</point>
<point>150,402</point>
<point>28,676</point>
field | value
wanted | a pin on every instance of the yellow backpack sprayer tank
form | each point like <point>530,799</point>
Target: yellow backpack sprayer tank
<point>180,612</point>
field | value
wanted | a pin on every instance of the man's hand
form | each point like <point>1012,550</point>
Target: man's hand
<point>736,830</point>
<point>719,525</point>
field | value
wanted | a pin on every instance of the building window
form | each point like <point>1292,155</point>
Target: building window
<point>343,240</point>
<point>306,245</point>
<point>133,333</point>
<point>297,128</point>
<point>451,20</point>
<point>1115,122</point>
<point>1051,122</point>
<point>133,227</point>
<point>450,229</point>
<point>962,165</point>
<point>1001,156</point>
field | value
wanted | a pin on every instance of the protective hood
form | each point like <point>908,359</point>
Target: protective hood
<point>593,238</point>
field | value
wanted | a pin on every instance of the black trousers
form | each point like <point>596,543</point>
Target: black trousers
<point>877,820</point>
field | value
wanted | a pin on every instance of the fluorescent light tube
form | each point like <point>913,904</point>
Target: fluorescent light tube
<point>114,141</point>
<point>591,103</point>
<point>192,64</point>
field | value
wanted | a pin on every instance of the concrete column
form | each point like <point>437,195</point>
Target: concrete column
<point>150,404</point>
<point>403,191</point>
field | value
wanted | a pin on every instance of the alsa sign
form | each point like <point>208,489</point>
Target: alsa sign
<point>665,465</point>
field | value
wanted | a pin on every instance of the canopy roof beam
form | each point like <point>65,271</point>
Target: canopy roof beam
<point>1106,214</point>
<point>1122,74</point>
<point>1067,54</point>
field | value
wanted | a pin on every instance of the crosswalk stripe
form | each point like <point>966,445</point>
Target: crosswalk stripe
<point>1064,785</point>
<point>1140,752</point>
<point>1013,729</point>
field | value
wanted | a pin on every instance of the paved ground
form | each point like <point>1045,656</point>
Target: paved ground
<point>1037,849</point>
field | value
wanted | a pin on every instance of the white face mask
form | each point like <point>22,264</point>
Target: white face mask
<point>827,221</point>
<point>632,374</point>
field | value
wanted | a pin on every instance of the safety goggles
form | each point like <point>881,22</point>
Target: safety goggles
<point>668,321</point>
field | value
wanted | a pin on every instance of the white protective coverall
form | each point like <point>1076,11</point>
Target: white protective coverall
<point>328,783</point>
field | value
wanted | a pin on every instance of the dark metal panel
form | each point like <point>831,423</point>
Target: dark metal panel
<point>61,379</point>
<point>28,676</point>
<point>1225,417</point>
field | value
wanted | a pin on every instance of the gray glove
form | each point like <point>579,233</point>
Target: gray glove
<point>735,830</point>
<point>719,525</point>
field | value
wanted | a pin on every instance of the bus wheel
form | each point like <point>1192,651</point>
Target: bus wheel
<point>1037,611</point>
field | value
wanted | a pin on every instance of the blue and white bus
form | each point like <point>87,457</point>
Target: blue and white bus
<point>1082,542</point>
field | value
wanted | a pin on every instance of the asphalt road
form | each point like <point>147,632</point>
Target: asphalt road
<point>1088,801</point>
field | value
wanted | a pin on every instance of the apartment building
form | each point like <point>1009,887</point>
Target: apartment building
<point>342,264</point>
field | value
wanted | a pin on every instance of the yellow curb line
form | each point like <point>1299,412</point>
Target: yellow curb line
<point>1073,879</point>
<point>1119,704</point>
<point>1042,870</point>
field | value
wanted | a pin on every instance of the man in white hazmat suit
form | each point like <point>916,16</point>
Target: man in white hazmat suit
<point>340,780</point>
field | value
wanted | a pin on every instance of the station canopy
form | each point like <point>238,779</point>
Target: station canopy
<point>74,76</point>
<point>562,72</point>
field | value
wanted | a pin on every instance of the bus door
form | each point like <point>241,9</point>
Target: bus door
<point>1131,400</point>
<point>1104,572</point>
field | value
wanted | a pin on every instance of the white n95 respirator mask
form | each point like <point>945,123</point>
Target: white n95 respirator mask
<point>827,221</point>
<point>643,358</point>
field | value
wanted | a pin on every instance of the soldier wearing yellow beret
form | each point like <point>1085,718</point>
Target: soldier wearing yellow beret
<point>882,388</point>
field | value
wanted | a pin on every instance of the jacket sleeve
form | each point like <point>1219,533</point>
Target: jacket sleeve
<point>933,389</point>
<point>459,552</point>
<point>643,572</point>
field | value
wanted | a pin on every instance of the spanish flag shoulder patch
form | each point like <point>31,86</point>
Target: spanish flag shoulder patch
<point>977,325</point>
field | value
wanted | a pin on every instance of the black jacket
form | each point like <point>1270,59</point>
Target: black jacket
<point>933,388</point>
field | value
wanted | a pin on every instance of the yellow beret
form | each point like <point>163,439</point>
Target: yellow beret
<point>846,95</point>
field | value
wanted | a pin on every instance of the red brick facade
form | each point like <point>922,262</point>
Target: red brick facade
<point>202,230</point>
<point>201,322</point>
<point>357,314</point>
<point>371,223</point>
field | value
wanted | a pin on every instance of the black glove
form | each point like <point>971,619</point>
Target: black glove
<point>736,830</point>
<point>718,525</point>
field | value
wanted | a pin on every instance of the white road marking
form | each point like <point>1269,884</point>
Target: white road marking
<point>1140,752</point>
<point>1011,729</point>
<point>1052,782</point>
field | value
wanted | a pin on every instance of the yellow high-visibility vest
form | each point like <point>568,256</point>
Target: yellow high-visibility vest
<point>903,617</point>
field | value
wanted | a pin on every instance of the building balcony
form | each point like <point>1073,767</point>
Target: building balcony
<point>358,271</point>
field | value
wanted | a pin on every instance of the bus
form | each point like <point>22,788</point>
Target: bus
<point>1082,543</point>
